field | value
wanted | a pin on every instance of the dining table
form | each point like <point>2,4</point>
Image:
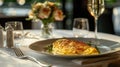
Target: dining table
<point>9,59</point>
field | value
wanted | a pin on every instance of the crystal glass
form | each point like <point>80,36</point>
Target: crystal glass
<point>96,8</point>
<point>80,27</point>
<point>18,31</point>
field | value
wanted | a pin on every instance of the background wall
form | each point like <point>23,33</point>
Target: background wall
<point>71,8</point>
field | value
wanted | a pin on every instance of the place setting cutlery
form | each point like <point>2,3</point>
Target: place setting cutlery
<point>21,55</point>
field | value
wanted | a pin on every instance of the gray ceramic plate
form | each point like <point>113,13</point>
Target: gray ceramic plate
<point>105,47</point>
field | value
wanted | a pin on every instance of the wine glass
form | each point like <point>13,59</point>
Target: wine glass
<point>18,31</point>
<point>80,27</point>
<point>96,8</point>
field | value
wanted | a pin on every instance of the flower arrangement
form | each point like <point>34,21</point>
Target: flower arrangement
<point>47,12</point>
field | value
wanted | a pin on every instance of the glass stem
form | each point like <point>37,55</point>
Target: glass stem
<point>96,20</point>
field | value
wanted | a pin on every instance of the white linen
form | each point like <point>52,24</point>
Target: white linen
<point>34,35</point>
<point>7,60</point>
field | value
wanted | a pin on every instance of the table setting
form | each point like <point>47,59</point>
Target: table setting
<point>62,61</point>
<point>32,44</point>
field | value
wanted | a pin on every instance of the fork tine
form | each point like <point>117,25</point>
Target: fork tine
<point>18,52</point>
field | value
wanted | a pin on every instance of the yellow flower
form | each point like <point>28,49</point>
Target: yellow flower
<point>31,14</point>
<point>50,3</point>
<point>46,12</point>
<point>36,6</point>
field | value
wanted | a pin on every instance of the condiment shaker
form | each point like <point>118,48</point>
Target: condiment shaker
<point>1,37</point>
<point>9,36</point>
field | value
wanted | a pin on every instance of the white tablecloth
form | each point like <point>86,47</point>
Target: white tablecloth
<point>35,35</point>
<point>8,60</point>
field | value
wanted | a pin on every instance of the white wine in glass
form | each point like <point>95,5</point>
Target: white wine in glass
<point>96,8</point>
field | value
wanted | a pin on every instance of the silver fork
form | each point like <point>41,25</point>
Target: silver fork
<point>21,55</point>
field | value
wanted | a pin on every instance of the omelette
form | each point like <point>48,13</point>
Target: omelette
<point>72,47</point>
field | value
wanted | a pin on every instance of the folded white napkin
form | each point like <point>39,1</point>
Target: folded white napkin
<point>7,60</point>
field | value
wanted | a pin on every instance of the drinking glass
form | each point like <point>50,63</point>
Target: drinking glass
<point>96,8</point>
<point>80,27</point>
<point>18,31</point>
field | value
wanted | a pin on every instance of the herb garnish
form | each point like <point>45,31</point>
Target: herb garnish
<point>49,48</point>
<point>93,45</point>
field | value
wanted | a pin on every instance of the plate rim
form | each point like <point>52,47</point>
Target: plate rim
<point>72,56</point>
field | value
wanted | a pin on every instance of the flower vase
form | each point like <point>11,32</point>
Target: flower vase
<point>46,30</point>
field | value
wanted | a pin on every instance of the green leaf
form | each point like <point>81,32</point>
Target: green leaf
<point>97,48</point>
<point>49,48</point>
